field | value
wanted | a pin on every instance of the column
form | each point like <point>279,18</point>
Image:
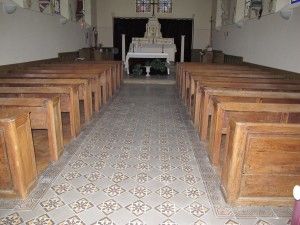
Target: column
<point>123,48</point>
<point>182,48</point>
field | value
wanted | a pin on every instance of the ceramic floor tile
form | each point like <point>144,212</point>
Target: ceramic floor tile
<point>139,162</point>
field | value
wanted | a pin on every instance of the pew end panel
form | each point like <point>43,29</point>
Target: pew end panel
<point>255,112</point>
<point>18,172</point>
<point>45,119</point>
<point>262,164</point>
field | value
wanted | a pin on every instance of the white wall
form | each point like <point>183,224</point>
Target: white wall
<point>28,35</point>
<point>270,41</point>
<point>200,10</point>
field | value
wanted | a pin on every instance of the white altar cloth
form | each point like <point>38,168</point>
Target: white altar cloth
<point>170,49</point>
<point>143,55</point>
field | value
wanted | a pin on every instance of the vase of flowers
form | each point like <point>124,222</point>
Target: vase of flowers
<point>148,68</point>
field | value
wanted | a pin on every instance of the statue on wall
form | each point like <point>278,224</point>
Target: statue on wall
<point>257,7</point>
<point>153,28</point>
<point>56,6</point>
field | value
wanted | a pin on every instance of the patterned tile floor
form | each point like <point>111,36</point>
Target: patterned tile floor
<point>139,162</point>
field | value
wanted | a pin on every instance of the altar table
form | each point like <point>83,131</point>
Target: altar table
<point>143,55</point>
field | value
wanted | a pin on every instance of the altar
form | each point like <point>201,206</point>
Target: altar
<point>152,45</point>
<point>144,55</point>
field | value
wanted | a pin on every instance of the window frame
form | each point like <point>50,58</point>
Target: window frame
<point>165,4</point>
<point>143,4</point>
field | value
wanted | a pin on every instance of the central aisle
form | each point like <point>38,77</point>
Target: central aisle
<point>137,166</point>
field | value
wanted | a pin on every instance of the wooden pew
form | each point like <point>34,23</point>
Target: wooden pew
<point>71,90</point>
<point>184,68</point>
<point>264,87</point>
<point>206,104</point>
<point>115,67</point>
<point>85,89</point>
<point>69,100</point>
<point>225,69</point>
<point>45,114</point>
<point>245,108</point>
<point>120,71</point>
<point>262,163</point>
<point>194,109</point>
<point>184,76</point>
<point>237,86</point>
<point>191,77</point>
<point>119,64</point>
<point>18,171</point>
<point>99,84</point>
<point>103,73</point>
<point>244,76</point>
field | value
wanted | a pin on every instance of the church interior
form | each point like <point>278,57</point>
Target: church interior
<point>149,112</point>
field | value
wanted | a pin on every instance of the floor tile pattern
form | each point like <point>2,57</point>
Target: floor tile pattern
<point>139,162</point>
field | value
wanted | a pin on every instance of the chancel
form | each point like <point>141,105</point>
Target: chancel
<point>152,45</point>
<point>149,112</point>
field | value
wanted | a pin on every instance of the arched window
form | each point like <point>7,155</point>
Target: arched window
<point>146,6</point>
<point>143,6</point>
<point>164,6</point>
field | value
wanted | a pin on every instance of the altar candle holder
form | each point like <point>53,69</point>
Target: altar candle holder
<point>296,212</point>
<point>163,49</point>
<point>133,47</point>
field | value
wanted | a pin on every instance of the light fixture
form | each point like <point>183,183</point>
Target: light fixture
<point>9,7</point>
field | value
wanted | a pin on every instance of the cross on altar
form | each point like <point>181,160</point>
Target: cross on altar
<point>153,3</point>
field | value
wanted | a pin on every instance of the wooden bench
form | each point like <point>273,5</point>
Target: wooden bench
<point>103,73</point>
<point>184,75</point>
<point>206,103</point>
<point>18,171</point>
<point>221,69</point>
<point>114,70</point>
<point>246,95</point>
<point>99,85</point>
<point>238,86</point>
<point>191,77</point>
<point>227,108</point>
<point>262,163</point>
<point>69,101</point>
<point>184,68</point>
<point>120,71</point>
<point>244,77</point>
<point>45,114</point>
<point>119,65</point>
<point>227,80</point>
<point>87,86</point>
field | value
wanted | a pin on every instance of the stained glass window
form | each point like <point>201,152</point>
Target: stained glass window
<point>143,6</point>
<point>164,6</point>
